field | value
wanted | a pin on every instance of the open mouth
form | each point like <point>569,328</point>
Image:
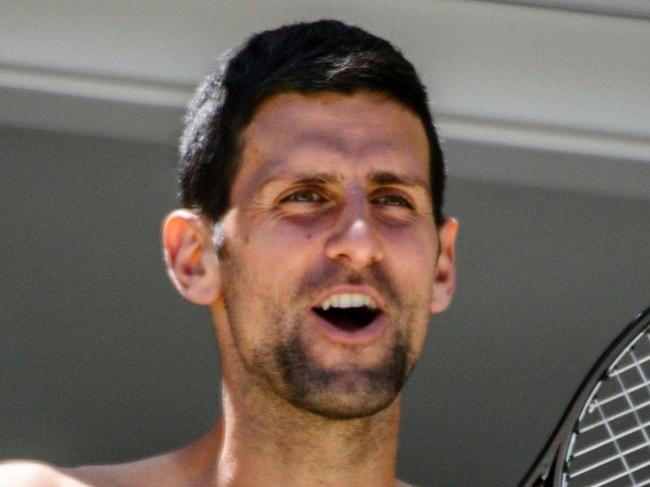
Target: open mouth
<point>349,319</point>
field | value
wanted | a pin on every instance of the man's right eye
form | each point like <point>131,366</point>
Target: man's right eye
<point>304,196</point>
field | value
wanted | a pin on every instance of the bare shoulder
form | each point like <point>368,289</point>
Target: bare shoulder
<point>25,473</point>
<point>151,471</point>
<point>146,472</point>
<point>191,465</point>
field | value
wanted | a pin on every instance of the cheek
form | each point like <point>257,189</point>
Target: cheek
<point>287,240</point>
<point>414,250</point>
<point>272,259</point>
<point>411,262</point>
<point>250,295</point>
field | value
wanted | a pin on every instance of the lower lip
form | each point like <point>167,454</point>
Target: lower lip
<point>362,336</point>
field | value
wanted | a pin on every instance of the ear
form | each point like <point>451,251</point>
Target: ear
<point>445,278</point>
<point>191,261</point>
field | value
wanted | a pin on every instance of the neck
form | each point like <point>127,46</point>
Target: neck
<point>286,446</point>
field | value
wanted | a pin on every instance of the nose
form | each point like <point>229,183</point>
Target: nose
<point>355,240</point>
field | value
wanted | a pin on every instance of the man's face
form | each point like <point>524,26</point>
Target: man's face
<point>329,250</point>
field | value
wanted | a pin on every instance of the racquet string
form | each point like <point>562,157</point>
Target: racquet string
<point>610,445</point>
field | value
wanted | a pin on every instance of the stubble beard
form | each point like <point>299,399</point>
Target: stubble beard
<point>340,393</point>
<point>287,370</point>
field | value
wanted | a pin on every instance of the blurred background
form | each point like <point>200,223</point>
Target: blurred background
<point>544,110</point>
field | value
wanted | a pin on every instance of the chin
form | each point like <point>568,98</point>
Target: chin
<point>346,393</point>
<point>344,406</point>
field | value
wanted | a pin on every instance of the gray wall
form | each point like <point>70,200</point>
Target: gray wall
<point>101,361</point>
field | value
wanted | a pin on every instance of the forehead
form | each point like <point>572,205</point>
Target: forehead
<point>346,134</point>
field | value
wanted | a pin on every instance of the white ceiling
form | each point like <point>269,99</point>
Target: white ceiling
<point>623,8</point>
<point>574,85</point>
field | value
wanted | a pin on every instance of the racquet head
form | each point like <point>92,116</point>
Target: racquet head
<point>603,439</point>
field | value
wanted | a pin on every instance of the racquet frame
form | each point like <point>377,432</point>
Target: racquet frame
<point>548,468</point>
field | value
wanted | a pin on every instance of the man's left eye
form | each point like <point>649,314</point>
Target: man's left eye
<point>393,200</point>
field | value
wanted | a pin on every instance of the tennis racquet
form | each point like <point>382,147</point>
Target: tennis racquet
<point>603,439</point>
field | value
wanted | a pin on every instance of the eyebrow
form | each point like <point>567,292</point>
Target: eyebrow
<point>314,178</point>
<point>376,178</point>
<point>387,177</point>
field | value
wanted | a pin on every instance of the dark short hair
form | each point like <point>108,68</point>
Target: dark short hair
<point>326,55</point>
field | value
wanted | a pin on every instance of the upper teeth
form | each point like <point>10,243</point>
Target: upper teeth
<point>348,301</point>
